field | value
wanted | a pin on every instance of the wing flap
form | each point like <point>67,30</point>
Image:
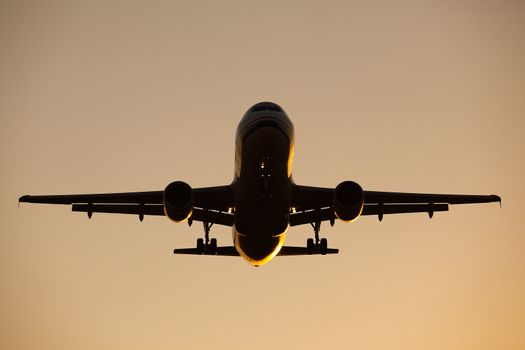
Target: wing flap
<point>218,198</point>
<point>376,209</point>
<point>327,214</point>
<point>308,197</point>
<point>212,216</point>
<point>311,216</point>
<point>135,209</point>
<point>198,214</point>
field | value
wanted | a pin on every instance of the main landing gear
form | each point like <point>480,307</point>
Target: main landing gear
<point>319,246</point>
<point>207,246</point>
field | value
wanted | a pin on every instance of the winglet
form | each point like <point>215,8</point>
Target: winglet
<point>497,199</point>
<point>24,198</point>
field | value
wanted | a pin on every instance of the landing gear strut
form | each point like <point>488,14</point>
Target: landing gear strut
<point>207,246</point>
<point>319,245</point>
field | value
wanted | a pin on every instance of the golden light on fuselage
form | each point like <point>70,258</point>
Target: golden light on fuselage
<point>290,158</point>
<point>259,262</point>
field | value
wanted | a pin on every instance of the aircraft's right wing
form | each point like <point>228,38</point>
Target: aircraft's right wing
<point>401,197</point>
<point>316,203</point>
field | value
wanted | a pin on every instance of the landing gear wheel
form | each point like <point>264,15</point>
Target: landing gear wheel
<point>323,246</point>
<point>212,248</point>
<point>310,247</point>
<point>200,245</point>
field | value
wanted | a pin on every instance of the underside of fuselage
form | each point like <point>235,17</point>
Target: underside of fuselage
<point>262,185</point>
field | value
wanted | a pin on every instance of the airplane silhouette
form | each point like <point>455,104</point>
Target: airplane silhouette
<point>262,201</point>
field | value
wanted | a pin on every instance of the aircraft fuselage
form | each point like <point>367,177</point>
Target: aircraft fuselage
<point>262,184</point>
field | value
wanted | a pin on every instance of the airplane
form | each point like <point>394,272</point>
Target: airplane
<point>262,201</point>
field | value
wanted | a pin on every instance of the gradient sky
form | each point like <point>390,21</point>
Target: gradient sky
<point>109,96</point>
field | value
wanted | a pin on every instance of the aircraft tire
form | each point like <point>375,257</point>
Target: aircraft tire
<point>212,248</point>
<point>310,246</point>
<point>200,245</point>
<point>323,246</point>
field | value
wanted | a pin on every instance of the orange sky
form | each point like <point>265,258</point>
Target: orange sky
<point>106,96</point>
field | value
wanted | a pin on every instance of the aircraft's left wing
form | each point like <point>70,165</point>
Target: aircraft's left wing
<point>210,204</point>
<point>314,204</point>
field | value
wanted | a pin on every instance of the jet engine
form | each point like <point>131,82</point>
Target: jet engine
<point>178,201</point>
<point>348,201</point>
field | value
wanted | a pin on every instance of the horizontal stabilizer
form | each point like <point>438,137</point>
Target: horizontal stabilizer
<point>288,251</point>
<point>224,251</point>
<point>231,251</point>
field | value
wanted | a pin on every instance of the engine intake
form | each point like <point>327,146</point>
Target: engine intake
<point>178,201</point>
<point>348,201</point>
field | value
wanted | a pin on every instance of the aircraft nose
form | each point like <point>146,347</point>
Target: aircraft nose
<point>258,251</point>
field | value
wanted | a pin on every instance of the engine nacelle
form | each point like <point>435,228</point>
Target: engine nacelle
<point>348,201</point>
<point>178,201</point>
